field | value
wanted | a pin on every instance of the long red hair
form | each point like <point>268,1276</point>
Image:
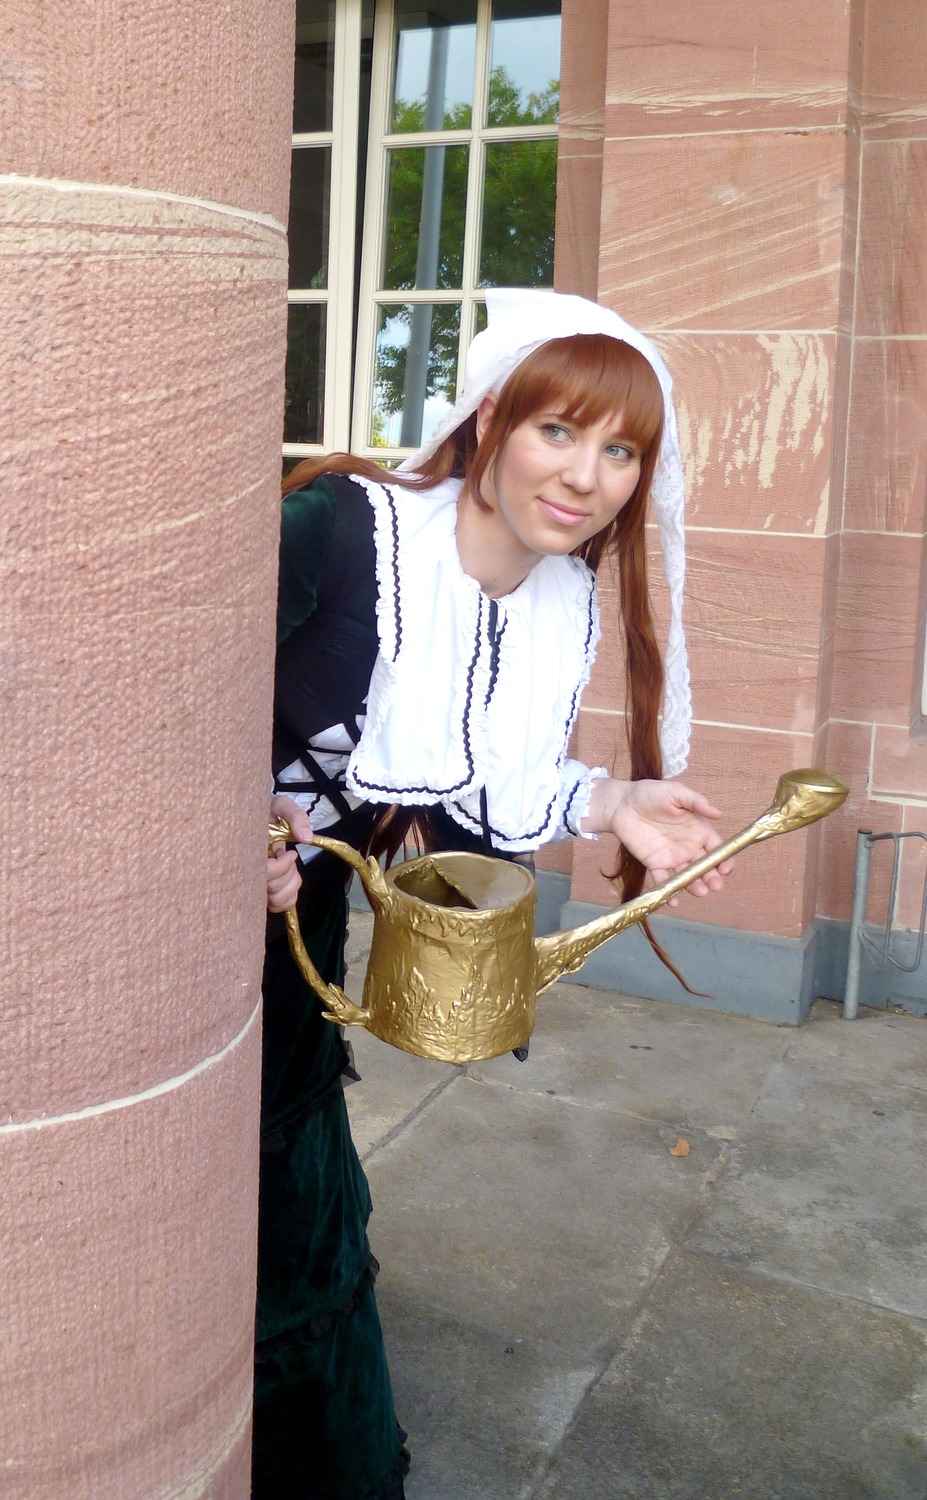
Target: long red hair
<point>583,378</point>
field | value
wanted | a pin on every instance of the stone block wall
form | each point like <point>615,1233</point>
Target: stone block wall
<point>759,210</point>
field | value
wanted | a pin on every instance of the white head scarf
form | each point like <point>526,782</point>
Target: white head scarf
<point>520,321</point>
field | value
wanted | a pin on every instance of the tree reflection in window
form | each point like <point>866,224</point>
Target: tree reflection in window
<point>516,239</point>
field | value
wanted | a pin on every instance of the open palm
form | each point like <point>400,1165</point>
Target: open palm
<point>663,824</point>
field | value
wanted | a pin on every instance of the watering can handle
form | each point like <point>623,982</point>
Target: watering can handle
<point>338,1007</point>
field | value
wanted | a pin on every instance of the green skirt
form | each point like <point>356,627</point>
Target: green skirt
<point>324,1423</point>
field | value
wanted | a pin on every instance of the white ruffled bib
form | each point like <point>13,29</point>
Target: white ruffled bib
<point>469,692</point>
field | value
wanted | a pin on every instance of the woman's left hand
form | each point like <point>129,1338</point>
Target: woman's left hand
<point>283,877</point>
<point>662,823</point>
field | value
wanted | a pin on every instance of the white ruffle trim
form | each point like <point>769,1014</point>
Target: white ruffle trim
<point>453,708</point>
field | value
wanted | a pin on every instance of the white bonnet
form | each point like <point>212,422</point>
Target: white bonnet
<point>520,321</point>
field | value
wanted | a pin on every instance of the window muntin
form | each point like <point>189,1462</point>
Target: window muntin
<point>459,194</point>
<point>476,163</point>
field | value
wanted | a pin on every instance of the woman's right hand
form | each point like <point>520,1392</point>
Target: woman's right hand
<point>283,877</point>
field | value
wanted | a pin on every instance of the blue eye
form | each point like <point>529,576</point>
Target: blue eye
<point>554,430</point>
<point>622,452</point>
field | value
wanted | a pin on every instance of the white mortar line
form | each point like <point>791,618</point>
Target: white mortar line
<point>149,195</point>
<point>898,799</point>
<point>619,713</point>
<point>692,528</point>
<point>890,338</point>
<point>866,723</point>
<point>665,332</point>
<point>836,128</point>
<point>870,769</point>
<point>168,1086</point>
<point>804,734</point>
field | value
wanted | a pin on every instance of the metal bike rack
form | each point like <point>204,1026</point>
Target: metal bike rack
<point>879,955</point>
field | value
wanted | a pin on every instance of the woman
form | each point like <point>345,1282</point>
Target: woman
<point>436,629</point>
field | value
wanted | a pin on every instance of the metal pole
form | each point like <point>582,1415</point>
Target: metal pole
<point>857,919</point>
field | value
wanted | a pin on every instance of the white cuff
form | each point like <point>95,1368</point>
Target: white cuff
<point>579,779</point>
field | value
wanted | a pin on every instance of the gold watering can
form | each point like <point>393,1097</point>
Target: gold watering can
<point>455,969</point>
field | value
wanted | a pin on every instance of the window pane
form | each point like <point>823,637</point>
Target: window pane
<point>315,55</point>
<point>524,66</point>
<point>433,82</point>
<point>415,379</point>
<point>519,200</point>
<point>305,374</point>
<point>426,201</point>
<point>309,212</point>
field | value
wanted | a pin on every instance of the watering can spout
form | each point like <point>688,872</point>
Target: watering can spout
<point>801,797</point>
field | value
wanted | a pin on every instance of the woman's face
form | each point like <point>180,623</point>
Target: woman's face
<point>555,484</point>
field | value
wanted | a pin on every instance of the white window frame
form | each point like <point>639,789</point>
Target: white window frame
<point>381,140</point>
<point>338,296</point>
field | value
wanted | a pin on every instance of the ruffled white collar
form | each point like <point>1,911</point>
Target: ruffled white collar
<point>469,692</point>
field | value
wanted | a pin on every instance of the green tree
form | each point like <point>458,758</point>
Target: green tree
<point>517,237</point>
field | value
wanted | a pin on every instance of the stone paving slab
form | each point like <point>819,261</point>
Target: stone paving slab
<point>645,1057</point>
<point>827,1184</point>
<point>880,1044</point>
<point>572,1314</point>
<point>737,1386</point>
<point>489,1413</point>
<point>536,1218</point>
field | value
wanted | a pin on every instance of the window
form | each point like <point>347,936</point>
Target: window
<point>327,105</point>
<point>458,195</point>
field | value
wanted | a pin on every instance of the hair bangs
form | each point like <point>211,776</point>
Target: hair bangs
<point>587,377</point>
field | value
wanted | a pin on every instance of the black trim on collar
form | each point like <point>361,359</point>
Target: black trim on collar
<point>397,606</point>
<point>373,786</point>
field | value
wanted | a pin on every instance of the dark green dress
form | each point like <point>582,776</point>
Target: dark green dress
<point>324,1423</point>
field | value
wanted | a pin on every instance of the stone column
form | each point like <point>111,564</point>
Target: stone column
<point>142,319</point>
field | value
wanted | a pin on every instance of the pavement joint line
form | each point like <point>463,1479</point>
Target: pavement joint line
<point>600,1106</point>
<point>397,1129</point>
<point>612,1351</point>
<point>765,1273</point>
<point>539,1483</point>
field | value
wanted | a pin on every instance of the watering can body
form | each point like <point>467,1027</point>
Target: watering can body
<point>455,969</point>
<point>453,981</point>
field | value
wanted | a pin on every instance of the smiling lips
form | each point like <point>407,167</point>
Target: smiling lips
<point>562,514</point>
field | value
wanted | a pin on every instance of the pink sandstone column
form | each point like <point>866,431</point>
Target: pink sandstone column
<point>142,311</point>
